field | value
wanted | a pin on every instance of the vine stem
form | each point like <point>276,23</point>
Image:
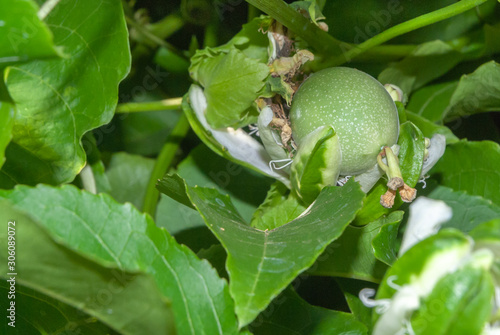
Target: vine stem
<point>343,52</point>
<point>167,26</point>
<point>153,38</point>
<point>303,27</point>
<point>253,12</point>
<point>163,164</point>
<point>410,25</point>
<point>134,107</point>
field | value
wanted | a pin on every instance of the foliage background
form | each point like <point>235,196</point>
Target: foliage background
<point>131,260</point>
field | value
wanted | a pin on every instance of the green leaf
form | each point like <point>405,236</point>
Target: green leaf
<point>251,40</point>
<point>262,263</point>
<point>120,236</point>
<point>289,314</point>
<point>476,92</point>
<point>460,303</point>
<point>487,235</point>
<point>316,163</point>
<point>6,123</point>
<point>23,35</point>
<point>492,33</point>
<point>283,213</point>
<point>128,177</point>
<point>37,313</point>
<point>426,262</point>
<point>280,207</point>
<point>471,167</point>
<point>308,8</point>
<point>130,303</point>
<point>425,63</point>
<point>231,83</point>
<point>145,133</point>
<point>352,255</point>
<point>351,289</point>
<point>429,128</point>
<point>217,256</point>
<point>174,187</point>
<point>204,168</point>
<point>385,243</point>
<point>411,152</point>
<point>61,99</point>
<point>468,211</point>
<point>431,101</point>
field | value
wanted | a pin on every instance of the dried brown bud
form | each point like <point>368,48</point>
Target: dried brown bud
<point>407,193</point>
<point>395,183</point>
<point>387,200</point>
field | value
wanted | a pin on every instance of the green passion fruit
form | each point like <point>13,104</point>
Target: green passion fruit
<point>356,105</point>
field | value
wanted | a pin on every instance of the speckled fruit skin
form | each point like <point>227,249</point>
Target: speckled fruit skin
<point>358,107</point>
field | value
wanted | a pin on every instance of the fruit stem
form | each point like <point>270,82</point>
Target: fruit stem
<point>396,182</point>
<point>391,169</point>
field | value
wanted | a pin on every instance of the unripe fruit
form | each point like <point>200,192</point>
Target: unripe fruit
<point>356,105</point>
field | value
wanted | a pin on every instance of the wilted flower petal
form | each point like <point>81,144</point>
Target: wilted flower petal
<point>268,136</point>
<point>403,303</point>
<point>426,217</point>
<point>239,144</point>
<point>436,150</point>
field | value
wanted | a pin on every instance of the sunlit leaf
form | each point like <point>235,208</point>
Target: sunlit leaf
<point>118,235</point>
<point>40,313</point>
<point>58,100</point>
<point>476,92</point>
<point>468,210</point>
<point>6,123</point>
<point>231,82</point>
<point>471,167</point>
<point>426,62</point>
<point>352,255</point>
<point>431,101</point>
<point>130,303</point>
<point>23,35</point>
<point>262,263</point>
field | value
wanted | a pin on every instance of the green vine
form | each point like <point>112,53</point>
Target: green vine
<point>370,49</point>
<point>405,27</point>
<point>163,163</point>
<point>134,107</point>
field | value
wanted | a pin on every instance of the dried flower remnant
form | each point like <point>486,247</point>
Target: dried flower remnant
<point>396,182</point>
